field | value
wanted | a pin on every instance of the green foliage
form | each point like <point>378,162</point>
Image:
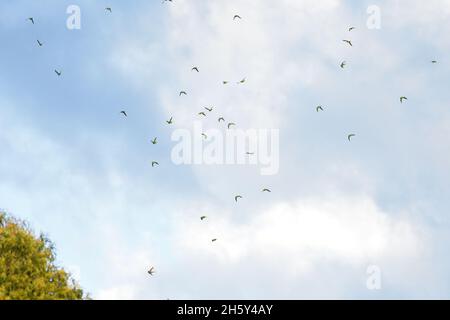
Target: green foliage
<point>27,266</point>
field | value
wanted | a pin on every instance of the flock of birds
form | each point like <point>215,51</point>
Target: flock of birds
<point>151,271</point>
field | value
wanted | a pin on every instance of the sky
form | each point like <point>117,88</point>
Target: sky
<point>77,170</point>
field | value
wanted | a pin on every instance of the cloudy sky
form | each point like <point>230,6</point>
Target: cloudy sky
<point>77,170</point>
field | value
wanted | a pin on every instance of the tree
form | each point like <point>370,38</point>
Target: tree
<point>27,266</point>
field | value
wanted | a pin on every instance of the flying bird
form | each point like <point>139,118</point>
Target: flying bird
<point>58,73</point>
<point>155,163</point>
<point>350,136</point>
<point>349,42</point>
<point>151,271</point>
<point>402,99</point>
<point>154,141</point>
<point>124,113</point>
<point>242,81</point>
<point>343,64</point>
<point>183,92</point>
<point>224,82</point>
<point>221,119</point>
<point>213,240</point>
<point>236,17</point>
<point>351,28</point>
<point>237,198</point>
<point>209,109</point>
<point>203,217</point>
<point>434,61</point>
<point>231,124</point>
<point>108,9</point>
<point>31,19</point>
<point>266,190</point>
<point>204,136</point>
<point>250,153</point>
<point>170,121</point>
<point>39,43</point>
<point>202,114</point>
<point>319,108</point>
<point>195,69</point>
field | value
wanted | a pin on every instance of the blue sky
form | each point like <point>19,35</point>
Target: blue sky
<point>77,170</point>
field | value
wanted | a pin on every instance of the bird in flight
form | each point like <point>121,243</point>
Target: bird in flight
<point>221,119</point>
<point>402,99</point>
<point>204,136</point>
<point>434,61</point>
<point>195,69</point>
<point>202,114</point>
<point>203,218</point>
<point>319,108</point>
<point>350,136</point>
<point>231,124</point>
<point>31,19</point>
<point>349,42</point>
<point>213,240</point>
<point>170,121</point>
<point>108,9</point>
<point>224,82</point>
<point>154,141</point>
<point>343,64</point>
<point>39,43</point>
<point>58,73</point>
<point>209,109</point>
<point>237,198</point>
<point>249,153</point>
<point>124,113</point>
<point>151,271</point>
<point>236,17</point>
<point>351,28</point>
<point>266,190</point>
<point>183,92</point>
<point>242,81</point>
<point>155,163</point>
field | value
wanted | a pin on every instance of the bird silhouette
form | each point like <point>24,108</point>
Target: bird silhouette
<point>155,163</point>
<point>124,113</point>
<point>213,240</point>
<point>108,9</point>
<point>319,108</point>
<point>350,136</point>
<point>204,136</point>
<point>183,92</point>
<point>151,271</point>
<point>202,114</point>
<point>231,124</point>
<point>154,141</point>
<point>349,42</point>
<point>236,17</point>
<point>39,43</point>
<point>209,109</point>
<point>351,28</point>
<point>195,69</point>
<point>343,64</point>
<point>170,121</point>
<point>242,81</point>
<point>236,198</point>
<point>31,19</point>
<point>225,82</point>
<point>58,73</point>
<point>221,119</point>
<point>402,99</point>
<point>266,190</point>
<point>203,218</point>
